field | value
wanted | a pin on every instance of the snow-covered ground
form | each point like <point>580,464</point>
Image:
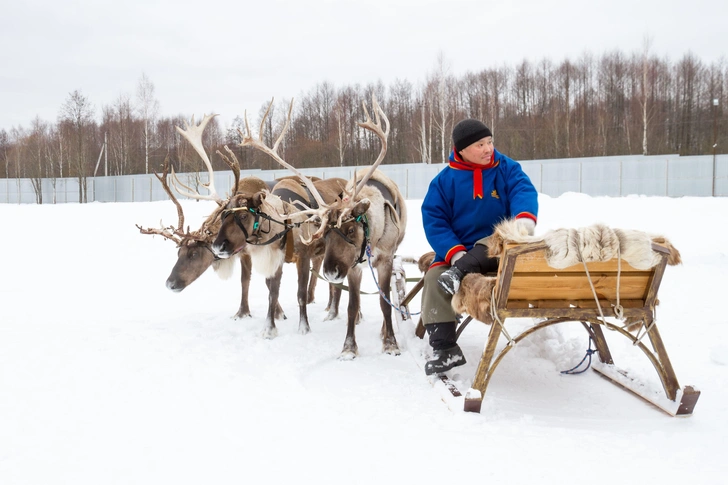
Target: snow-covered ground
<point>107,377</point>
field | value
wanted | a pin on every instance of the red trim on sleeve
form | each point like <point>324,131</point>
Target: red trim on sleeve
<point>452,252</point>
<point>527,215</point>
<point>439,263</point>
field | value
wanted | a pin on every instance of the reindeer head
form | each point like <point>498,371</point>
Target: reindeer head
<point>247,220</point>
<point>346,237</point>
<point>194,254</point>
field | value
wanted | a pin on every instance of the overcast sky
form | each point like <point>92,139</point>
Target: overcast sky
<point>229,56</point>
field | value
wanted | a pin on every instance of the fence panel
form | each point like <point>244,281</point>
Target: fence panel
<point>659,175</point>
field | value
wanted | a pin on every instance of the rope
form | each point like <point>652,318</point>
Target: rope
<point>494,314</point>
<point>618,308</point>
<point>589,353</point>
<point>641,335</point>
<point>588,277</point>
<point>406,313</point>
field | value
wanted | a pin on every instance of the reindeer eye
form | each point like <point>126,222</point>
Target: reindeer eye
<point>350,231</point>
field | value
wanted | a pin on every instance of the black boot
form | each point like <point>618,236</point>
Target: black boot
<point>447,353</point>
<point>450,279</point>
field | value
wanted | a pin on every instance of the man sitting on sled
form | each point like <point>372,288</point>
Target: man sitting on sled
<point>479,188</point>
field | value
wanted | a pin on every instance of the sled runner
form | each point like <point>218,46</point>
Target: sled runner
<point>590,293</point>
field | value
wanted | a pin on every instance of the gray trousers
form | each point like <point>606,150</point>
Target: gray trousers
<point>436,307</point>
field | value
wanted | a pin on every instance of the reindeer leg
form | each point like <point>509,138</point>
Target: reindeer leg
<point>279,314</point>
<point>316,266</point>
<point>350,349</point>
<point>270,330</point>
<point>389,342</point>
<point>302,265</point>
<point>245,270</point>
<point>333,306</point>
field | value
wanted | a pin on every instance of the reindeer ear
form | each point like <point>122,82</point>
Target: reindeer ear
<point>360,208</point>
<point>258,198</point>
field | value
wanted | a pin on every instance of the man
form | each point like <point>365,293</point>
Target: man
<point>479,188</point>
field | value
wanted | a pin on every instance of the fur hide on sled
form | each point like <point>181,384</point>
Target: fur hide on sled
<point>565,247</point>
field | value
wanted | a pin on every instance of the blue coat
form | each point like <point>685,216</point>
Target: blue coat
<point>454,214</point>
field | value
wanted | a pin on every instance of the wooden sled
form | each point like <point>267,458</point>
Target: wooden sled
<point>527,287</point>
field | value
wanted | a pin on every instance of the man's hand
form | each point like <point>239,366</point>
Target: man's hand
<point>456,256</point>
<point>524,225</point>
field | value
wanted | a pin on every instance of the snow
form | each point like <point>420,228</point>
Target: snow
<point>107,377</point>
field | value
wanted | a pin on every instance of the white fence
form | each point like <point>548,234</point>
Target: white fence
<point>658,175</point>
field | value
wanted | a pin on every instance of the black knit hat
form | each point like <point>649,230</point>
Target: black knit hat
<point>467,132</point>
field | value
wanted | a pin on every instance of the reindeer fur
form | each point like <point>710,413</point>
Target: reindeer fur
<point>268,259</point>
<point>194,255</point>
<point>474,297</point>
<point>387,223</point>
<point>565,247</point>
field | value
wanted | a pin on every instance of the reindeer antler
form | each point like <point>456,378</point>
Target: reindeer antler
<point>234,165</point>
<point>376,128</point>
<point>193,134</point>
<point>169,232</point>
<point>248,140</point>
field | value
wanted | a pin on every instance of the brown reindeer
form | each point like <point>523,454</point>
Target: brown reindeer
<point>194,253</point>
<point>263,226</point>
<point>367,222</point>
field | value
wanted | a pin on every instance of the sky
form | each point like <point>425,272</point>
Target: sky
<point>228,57</point>
<point>107,377</point>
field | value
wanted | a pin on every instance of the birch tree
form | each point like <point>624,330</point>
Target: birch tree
<point>148,109</point>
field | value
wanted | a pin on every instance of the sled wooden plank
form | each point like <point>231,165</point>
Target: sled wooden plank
<point>683,404</point>
<point>576,286</point>
<point>590,303</point>
<point>536,261</point>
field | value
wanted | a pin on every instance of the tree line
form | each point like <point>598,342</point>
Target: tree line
<point>613,104</point>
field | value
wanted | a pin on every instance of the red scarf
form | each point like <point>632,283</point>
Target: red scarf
<point>477,170</point>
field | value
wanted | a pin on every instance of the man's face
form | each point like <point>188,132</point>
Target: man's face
<point>479,152</point>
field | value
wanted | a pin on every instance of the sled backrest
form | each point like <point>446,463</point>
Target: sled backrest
<point>526,281</point>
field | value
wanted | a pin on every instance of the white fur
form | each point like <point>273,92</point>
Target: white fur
<point>636,247</point>
<point>224,267</point>
<point>567,247</point>
<point>266,260</point>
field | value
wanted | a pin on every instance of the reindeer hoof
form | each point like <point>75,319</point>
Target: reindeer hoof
<point>240,316</point>
<point>348,355</point>
<point>304,329</point>
<point>391,349</point>
<point>270,333</point>
<point>331,316</point>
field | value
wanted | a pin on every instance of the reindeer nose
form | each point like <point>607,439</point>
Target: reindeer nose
<point>175,285</point>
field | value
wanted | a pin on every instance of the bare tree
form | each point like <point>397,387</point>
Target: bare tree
<point>4,147</point>
<point>37,154</point>
<point>77,116</point>
<point>646,43</point>
<point>118,122</point>
<point>443,98</point>
<point>424,128</point>
<point>148,109</point>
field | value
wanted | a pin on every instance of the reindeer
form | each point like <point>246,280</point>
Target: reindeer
<point>262,226</point>
<point>369,219</point>
<point>194,253</point>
